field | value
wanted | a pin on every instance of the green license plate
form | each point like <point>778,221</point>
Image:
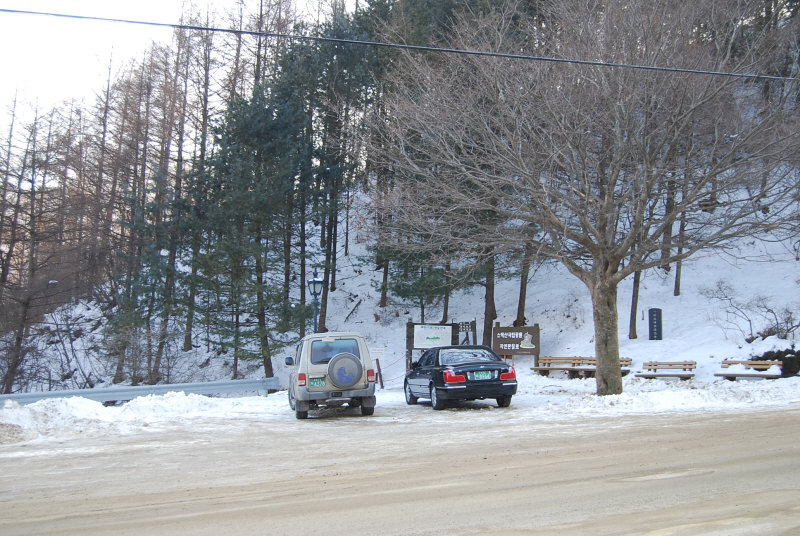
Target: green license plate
<point>316,382</point>
<point>482,375</point>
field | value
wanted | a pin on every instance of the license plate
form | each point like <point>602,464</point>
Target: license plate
<point>316,382</point>
<point>482,375</point>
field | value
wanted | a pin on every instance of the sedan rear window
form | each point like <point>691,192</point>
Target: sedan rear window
<point>323,351</point>
<point>458,356</point>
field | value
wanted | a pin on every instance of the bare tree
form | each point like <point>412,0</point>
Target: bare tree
<point>593,165</point>
<point>41,255</point>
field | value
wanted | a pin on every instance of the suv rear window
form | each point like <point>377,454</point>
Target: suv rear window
<point>323,351</point>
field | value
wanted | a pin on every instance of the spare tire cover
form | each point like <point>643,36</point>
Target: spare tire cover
<point>345,370</point>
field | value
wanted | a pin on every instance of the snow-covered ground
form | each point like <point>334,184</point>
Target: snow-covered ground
<point>695,327</point>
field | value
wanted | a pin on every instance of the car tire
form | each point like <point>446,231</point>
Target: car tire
<point>300,409</point>
<point>504,401</point>
<point>291,398</point>
<point>410,398</point>
<point>367,410</point>
<point>345,370</point>
<point>436,402</point>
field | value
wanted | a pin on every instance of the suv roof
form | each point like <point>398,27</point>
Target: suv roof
<point>333,334</point>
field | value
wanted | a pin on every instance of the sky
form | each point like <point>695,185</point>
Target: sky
<point>48,59</point>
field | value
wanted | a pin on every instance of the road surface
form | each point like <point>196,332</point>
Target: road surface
<point>434,473</point>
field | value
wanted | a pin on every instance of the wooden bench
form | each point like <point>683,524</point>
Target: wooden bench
<point>668,369</point>
<point>585,367</point>
<point>753,369</point>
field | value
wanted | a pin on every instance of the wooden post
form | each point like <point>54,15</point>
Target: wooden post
<point>380,374</point>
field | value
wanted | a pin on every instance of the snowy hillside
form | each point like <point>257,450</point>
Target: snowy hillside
<point>726,300</point>
<point>695,326</point>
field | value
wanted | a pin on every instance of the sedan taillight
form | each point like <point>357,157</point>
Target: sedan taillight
<point>451,377</point>
<point>510,375</point>
<point>301,380</point>
<point>371,376</point>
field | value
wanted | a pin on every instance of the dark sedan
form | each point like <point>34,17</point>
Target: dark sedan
<point>460,373</point>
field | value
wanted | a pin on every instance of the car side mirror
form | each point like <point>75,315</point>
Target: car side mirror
<point>289,361</point>
<point>415,364</point>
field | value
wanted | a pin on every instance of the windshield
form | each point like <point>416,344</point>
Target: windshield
<point>458,356</point>
<point>323,351</point>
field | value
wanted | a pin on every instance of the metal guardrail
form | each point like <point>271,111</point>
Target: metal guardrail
<point>127,392</point>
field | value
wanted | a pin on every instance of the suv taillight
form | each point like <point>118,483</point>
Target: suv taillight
<point>301,380</point>
<point>371,376</point>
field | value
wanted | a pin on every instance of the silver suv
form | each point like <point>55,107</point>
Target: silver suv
<point>331,369</point>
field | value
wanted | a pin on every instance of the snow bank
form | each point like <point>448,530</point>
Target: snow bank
<point>540,400</point>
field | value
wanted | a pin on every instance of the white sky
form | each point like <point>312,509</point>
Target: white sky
<point>46,60</point>
<point>49,59</point>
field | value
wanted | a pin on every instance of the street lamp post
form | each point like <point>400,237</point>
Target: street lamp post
<point>315,288</point>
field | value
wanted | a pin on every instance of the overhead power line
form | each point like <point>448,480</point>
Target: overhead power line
<point>403,46</point>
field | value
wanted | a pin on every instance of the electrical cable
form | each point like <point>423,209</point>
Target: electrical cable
<point>416,48</point>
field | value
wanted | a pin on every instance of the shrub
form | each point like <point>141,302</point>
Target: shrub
<point>789,356</point>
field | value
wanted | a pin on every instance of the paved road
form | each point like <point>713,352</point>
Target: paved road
<point>710,474</point>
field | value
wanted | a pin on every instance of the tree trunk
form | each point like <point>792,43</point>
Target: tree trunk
<point>120,347</point>
<point>523,287</point>
<point>333,239</point>
<point>261,312</point>
<point>384,266</point>
<point>4,190</point>
<point>302,232</point>
<point>97,258</point>
<point>323,300</point>
<point>16,354</point>
<point>604,305</point>
<point>155,372</point>
<point>446,301</point>
<point>190,301</point>
<point>266,354</point>
<point>676,291</point>
<point>205,112</point>
<point>489,309</point>
<point>236,339</point>
<point>637,277</point>
<point>287,249</point>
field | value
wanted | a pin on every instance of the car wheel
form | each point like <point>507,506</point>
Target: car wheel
<point>300,409</point>
<point>410,398</point>
<point>345,370</point>
<point>367,410</point>
<point>504,401</point>
<point>291,398</point>
<point>436,402</point>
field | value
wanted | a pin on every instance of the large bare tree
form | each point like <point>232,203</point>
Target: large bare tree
<point>608,169</point>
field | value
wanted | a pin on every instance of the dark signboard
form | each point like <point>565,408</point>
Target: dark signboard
<point>510,341</point>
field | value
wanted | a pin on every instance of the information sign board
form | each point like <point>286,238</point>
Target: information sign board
<point>510,341</point>
<point>431,335</point>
